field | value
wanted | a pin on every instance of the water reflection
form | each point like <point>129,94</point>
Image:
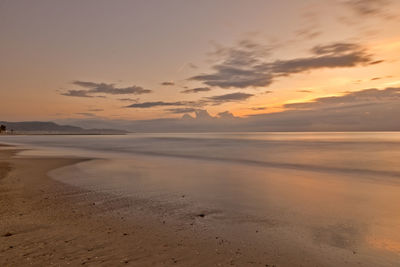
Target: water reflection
<point>331,191</point>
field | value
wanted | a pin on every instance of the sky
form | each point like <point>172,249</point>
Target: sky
<point>145,60</point>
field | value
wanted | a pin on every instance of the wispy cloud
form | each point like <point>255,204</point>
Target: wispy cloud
<point>245,66</point>
<point>181,110</point>
<point>258,108</point>
<point>211,100</point>
<point>157,104</point>
<point>233,97</point>
<point>196,90</point>
<point>367,7</point>
<point>86,114</point>
<point>103,88</point>
<point>168,83</point>
<point>267,92</point>
<point>367,96</point>
<point>77,93</point>
<point>226,115</point>
<point>129,99</point>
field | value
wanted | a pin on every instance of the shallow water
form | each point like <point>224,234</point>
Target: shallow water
<point>323,191</point>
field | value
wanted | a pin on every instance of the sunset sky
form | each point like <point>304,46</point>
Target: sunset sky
<point>135,60</point>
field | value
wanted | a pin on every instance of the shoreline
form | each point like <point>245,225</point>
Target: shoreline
<point>51,223</point>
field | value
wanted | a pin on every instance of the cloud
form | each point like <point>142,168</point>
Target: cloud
<point>233,97</point>
<point>338,55</point>
<point>168,83</point>
<point>212,100</point>
<point>335,48</point>
<point>304,91</point>
<point>238,67</point>
<point>157,104</point>
<point>96,109</point>
<point>308,33</point>
<point>77,93</point>
<point>111,89</point>
<point>245,66</point>
<point>226,115</point>
<point>202,114</point>
<point>86,114</point>
<point>104,88</point>
<point>367,97</point>
<point>367,7</point>
<point>129,99</point>
<point>258,108</point>
<point>267,92</point>
<point>193,66</point>
<point>181,110</point>
<point>196,90</point>
<point>227,76</point>
<point>365,110</point>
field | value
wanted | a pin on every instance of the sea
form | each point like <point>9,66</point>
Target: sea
<point>325,190</point>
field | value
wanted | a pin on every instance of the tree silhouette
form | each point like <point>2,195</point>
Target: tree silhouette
<point>2,128</point>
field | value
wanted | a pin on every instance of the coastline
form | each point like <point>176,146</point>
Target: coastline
<point>48,222</point>
<point>51,223</point>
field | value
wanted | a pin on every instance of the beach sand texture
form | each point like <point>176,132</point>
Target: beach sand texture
<point>45,222</point>
<point>48,223</point>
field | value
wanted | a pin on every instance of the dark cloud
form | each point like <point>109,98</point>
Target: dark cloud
<point>196,90</point>
<point>226,77</point>
<point>181,110</point>
<point>77,93</point>
<point>212,100</point>
<point>338,55</point>
<point>238,68</point>
<point>226,115</point>
<point>103,88</point>
<point>168,83</point>
<point>202,114</point>
<point>157,104</point>
<point>365,110</point>
<point>129,99</point>
<point>233,97</point>
<point>335,48</point>
<point>367,96</point>
<point>258,108</point>
<point>245,66</point>
<point>304,91</point>
<point>96,109</point>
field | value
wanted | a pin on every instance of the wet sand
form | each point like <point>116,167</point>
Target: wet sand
<point>46,222</point>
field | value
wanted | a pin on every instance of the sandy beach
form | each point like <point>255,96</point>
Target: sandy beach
<point>46,222</point>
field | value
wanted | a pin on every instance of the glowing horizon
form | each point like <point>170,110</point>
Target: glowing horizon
<point>93,59</point>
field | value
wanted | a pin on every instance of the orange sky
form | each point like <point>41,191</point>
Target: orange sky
<point>47,45</point>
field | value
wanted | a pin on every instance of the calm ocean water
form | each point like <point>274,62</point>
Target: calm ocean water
<point>339,190</point>
<point>360,153</point>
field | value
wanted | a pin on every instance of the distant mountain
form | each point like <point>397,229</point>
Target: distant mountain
<point>41,127</point>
